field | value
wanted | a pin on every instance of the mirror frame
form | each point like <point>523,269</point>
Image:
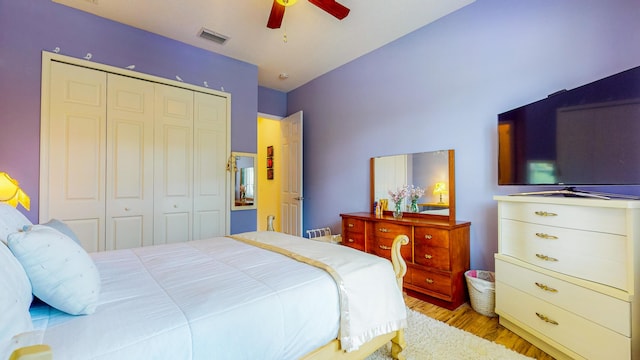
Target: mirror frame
<point>233,169</point>
<point>452,191</point>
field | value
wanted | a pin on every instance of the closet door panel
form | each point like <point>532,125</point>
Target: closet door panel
<point>210,143</point>
<point>173,165</point>
<point>75,177</point>
<point>127,231</point>
<point>130,122</point>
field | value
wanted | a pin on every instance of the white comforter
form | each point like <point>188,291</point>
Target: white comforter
<point>207,299</point>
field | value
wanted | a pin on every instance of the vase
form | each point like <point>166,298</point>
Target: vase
<point>414,206</point>
<point>397,212</point>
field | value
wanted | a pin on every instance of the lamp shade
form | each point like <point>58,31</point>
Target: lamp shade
<point>11,193</point>
<point>440,188</point>
<point>286,2</point>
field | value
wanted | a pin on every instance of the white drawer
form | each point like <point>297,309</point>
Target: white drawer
<point>609,220</point>
<point>592,256</point>
<point>576,333</point>
<point>603,309</point>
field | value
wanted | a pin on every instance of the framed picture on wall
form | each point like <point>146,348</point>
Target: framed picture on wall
<point>269,151</point>
<point>269,174</point>
<point>269,163</point>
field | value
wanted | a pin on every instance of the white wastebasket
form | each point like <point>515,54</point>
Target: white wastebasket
<point>482,291</point>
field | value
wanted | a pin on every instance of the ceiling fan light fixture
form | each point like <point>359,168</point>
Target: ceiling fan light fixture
<point>286,2</point>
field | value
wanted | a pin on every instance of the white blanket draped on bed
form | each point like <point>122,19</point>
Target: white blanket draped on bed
<point>219,298</point>
<point>365,287</point>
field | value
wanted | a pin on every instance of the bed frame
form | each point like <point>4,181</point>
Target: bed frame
<point>329,351</point>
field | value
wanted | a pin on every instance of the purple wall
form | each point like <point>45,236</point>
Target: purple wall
<point>28,27</point>
<point>272,102</point>
<point>442,87</point>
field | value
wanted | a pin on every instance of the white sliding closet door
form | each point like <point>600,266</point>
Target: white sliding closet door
<point>210,149</point>
<point>173,158</point>
<point>74,143</point>
<point>130,161</point>
<point>129,191</point>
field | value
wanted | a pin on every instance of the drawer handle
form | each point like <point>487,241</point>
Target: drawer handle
<point>544,213</point>
<point>383,247</point>
<point>545,257</point>
<point>383,230</point>
<point>546,236</point>
<point>546,319</point>
<point>429,281</point>
<point>350,225</point>
<point>428,256</point>
<point>546,288</point>
<point>428,236</point>
<point>351,240</point>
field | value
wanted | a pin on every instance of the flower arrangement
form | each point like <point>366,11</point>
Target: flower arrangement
<point>399,194</point>
<point>397,197</point>
<point>413,194</point>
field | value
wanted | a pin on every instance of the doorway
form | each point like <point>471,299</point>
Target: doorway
<point>279,167</point>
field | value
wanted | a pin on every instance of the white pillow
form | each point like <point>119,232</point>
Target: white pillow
<point>15,298</point>
<point>11,220</point>
<point>62,274</point>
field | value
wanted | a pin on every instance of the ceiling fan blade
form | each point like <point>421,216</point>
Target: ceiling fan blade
<point>276,15</point>
<point>332,7</point>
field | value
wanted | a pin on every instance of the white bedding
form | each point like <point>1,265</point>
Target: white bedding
<point>217,298</point>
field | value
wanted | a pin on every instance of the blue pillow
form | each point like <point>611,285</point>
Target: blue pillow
<point>63,228</point>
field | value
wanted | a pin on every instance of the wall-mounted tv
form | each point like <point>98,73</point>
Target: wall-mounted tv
<point>587,136</point>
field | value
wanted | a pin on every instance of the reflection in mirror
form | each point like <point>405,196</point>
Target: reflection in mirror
<point>431,171</point>
<point>243,175</point>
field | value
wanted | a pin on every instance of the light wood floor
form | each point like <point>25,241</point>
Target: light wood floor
<point>465,318</point>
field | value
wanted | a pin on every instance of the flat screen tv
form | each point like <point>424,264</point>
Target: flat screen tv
<point>587,136</point>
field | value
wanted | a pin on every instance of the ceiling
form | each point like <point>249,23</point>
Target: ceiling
<point>316,41</point>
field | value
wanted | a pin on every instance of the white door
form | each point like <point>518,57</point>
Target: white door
<point>173,165</point>
<point>292,196</point>
<point>210,148</point>
<point>129,189</point>
<point>73,148</point>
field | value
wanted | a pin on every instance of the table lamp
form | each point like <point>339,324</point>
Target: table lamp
<point>439,189</point>
<point>11,193</point>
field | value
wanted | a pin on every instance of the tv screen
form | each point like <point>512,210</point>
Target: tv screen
<point>589,135</point>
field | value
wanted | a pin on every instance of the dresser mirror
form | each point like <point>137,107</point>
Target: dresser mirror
<point>433,171</point>
<point>243,179</point>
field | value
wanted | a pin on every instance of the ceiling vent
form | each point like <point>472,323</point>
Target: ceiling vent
<point>213,36</point>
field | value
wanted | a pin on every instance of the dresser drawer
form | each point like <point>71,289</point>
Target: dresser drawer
<point>389,230</point>
<point>600,308</point>
<point>354,240</point>
<point>436,257</point>
<point>574,332</point>
<point>592,256</point>
<point>431,236</point>
<point>382,247</point>
<point>432,281</point>
<point>353,225</point>
<point>600,219</point>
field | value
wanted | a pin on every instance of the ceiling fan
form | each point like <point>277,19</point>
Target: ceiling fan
<point>330,6</point>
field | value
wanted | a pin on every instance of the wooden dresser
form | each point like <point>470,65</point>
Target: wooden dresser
<point>567,275</point>
<point>437,255</point>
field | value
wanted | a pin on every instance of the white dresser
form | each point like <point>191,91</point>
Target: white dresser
<point>568,274</point>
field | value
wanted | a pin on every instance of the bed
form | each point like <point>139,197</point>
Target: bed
<point>257,295</point>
